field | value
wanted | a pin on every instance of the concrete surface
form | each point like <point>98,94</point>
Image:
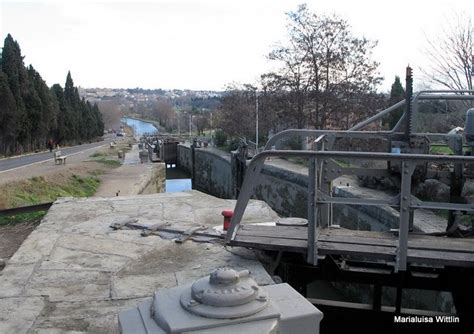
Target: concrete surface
<point>74,273</point>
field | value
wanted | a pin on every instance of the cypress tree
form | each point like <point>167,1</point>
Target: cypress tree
<point>49,109</point>
<point>34,112</point>
<point>99,120</point>
<point>397,93</point>
<point>61,133</point>
<point>12,66</point>
<point>70,119</point>
<point>31,113</point>
<point>8,122</point>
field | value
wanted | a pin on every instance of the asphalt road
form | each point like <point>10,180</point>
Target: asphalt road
<point>25,160</point>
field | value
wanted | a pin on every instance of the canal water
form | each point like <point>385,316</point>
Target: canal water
<point>176,179</point>
<point>140,127</point>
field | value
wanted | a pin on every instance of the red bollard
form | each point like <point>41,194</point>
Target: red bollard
<point>227,216</point>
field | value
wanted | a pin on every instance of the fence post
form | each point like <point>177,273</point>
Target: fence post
<point>405,198</point>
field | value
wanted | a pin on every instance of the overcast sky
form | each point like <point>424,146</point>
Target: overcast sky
<point>202,44</point>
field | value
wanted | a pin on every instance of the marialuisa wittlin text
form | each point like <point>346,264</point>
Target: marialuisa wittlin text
<point>426,319</point>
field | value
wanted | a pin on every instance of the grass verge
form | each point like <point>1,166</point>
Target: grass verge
<point>37,190</point>
<point>98,155</point>
<point>109,162</point>
<point>29,218</point>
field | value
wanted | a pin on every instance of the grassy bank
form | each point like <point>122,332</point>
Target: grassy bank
<point>113,163</point>
<point>38,190</point>
<point>27,218</point>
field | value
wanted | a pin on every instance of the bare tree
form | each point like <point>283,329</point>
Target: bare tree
<point>111,113</point>
<point>163,111</point>
<point>325,68</point>
<point>236,115</point>
<point>291,82</point>
<point>450,55</point>
<point>202,122</point>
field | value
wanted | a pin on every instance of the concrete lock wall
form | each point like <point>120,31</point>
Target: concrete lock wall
<point>184,158</point>
<point>212,172</point>
<point>284,190</point>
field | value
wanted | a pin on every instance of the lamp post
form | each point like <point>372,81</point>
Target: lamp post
<point>190,126</point>
<point>212,138</point>
<point>256,120</point>
<point>179,129</point>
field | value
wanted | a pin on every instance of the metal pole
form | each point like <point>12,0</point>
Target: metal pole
<point>405,197</point>
<point>256,118</point>
<point>312,255</point>
<point>212,138</point>
<point>190,126</point>
<point>377,116</point>
<point>408,99</point>
<point>179,129</point>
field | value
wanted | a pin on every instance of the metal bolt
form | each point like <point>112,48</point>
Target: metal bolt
<point>192,303</point>
<point>405,198</point>
<point>262,298</point>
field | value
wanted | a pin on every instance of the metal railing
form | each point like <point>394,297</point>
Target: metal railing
<point>323,170</point>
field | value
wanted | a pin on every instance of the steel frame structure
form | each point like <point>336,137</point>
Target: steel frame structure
<point>323,169</point>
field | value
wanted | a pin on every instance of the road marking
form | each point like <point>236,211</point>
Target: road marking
<point>43,161</point>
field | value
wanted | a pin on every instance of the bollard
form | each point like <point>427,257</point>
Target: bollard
<point>120,154</point>
<point>227,216</point>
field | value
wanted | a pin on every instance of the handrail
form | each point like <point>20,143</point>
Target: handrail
<point>307,133</point>
<point>421,95</point>
<point>377,116</point>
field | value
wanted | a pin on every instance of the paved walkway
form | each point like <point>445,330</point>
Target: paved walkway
<point>133,177</point>
<point>74,274</point>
